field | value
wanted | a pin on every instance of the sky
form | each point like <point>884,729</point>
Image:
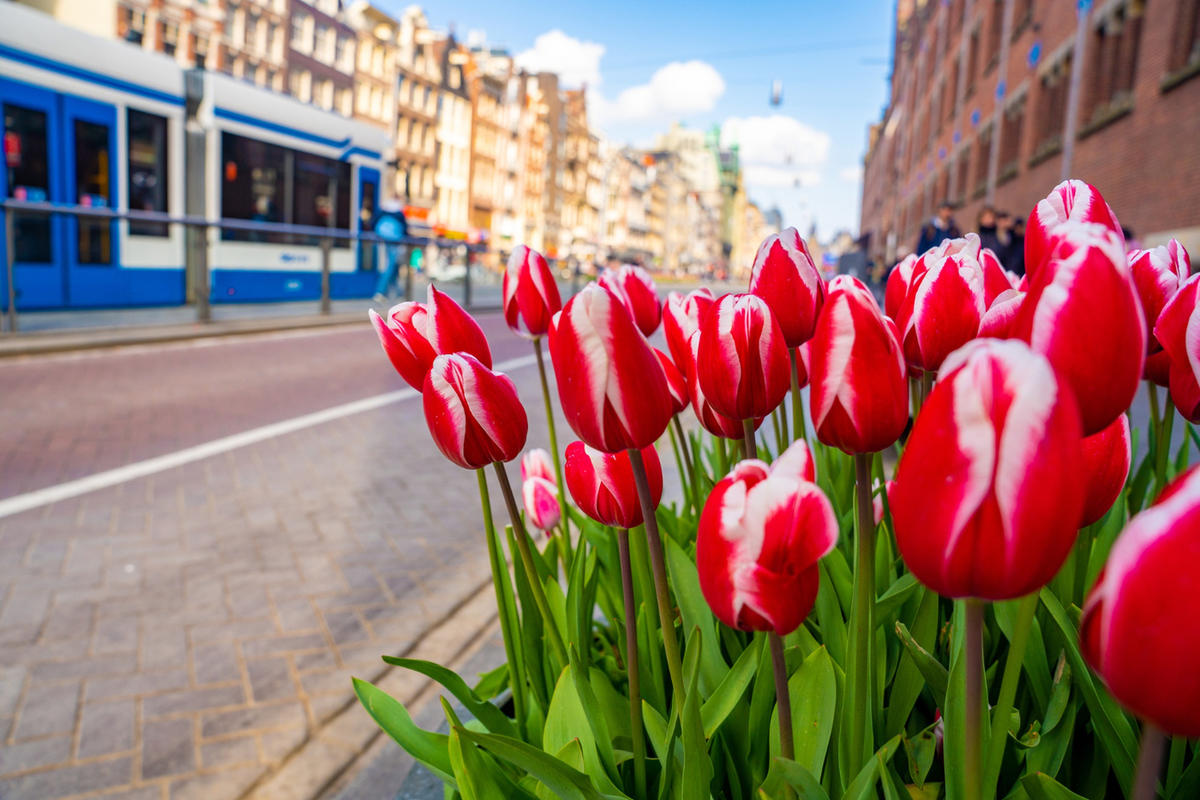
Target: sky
<point>648,64</point>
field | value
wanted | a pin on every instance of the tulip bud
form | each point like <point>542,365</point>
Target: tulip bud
<point>681,318</point>
<point>998,320</point>
<point>743,360</point>
<point>897,285</point>
<point>1178,330</point>
<point>1157,276</point>
<point>715,423</point>
<point>675,381</point>
<point>603,485</point>
<point>540,497</point>
<point>1072,200</point>
<point>785,277</point>
<point>944,304</point>
<point>536,463</point>
<point>987,498</point>
<point>530,294</point>
<point>474,414</point>
<point>635,288</point>
<point>1106,457</point>
<point>612,388</point>
<point>1139,621</point>
<point>414,334</point>
<point>1083,314</point>
<point>859,392</point>
<point>761,534</point>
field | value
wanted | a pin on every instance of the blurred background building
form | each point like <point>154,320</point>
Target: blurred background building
<point>482,150</point>
<point>994,101</point>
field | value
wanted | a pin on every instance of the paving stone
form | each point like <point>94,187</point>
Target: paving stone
<point>84,667</point>
<point>168,747</point>
<point>216,663</point>
<point>270,679</point>
<point>141,683</point>
<point>93,776</point>
<point>254,718</point>
<point>47,710</point>
<point>230,782</point>
<point>106,728</point>
<point>229,752</point>
<point>11,681</point>
<point>256,648</point>
<point>34,753</point>
<point>193,700</point>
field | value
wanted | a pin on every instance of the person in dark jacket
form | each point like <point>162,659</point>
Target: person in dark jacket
<point>993,230</point>
<point>938,229</point>
<point>1014,261</point>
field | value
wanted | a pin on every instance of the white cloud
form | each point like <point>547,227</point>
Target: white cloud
<point>852,173</point>
<point>577,62</point>
<point>674,90</point>
<point>777,151</point>
<point>476,37</point>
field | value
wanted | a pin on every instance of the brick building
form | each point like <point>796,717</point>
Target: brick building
<point>993,102</point>
<point>320,58</point>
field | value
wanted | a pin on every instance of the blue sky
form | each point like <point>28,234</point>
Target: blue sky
<point>648,64</point>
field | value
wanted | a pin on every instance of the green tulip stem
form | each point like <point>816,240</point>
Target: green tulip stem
<point>799,427</point>
<point>683,446</point>
<point>862,619</point>
<point>1145,780</point>
<point>535,581</point>
<point>781,428</point>
<point>1008,693</point>
<point>658,564</point>
<point>516,678</point>
<point>751,446</point>
<point>973,716</point>
<point>783,699</point>
<point>558,468</point>
<point>636,727</point>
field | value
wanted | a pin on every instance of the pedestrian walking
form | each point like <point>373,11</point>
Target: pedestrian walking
<point>938,229</point>
<point>390,224</point>
<point>994,231</point>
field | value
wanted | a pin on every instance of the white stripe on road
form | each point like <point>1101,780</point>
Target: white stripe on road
<point>140,469</point>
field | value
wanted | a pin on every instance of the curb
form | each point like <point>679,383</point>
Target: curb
<point>44,343</point>
<point>333,751</point>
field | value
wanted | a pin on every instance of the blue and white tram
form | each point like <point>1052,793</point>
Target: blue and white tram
<point>96,122</point>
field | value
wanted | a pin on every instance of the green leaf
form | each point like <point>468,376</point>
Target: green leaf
<point>921,751</point>
<point>1188,786</point>
<point>931,669</point>
<point>565,781</point>
<point>813,692</point>
<point>1041,786</point>
<point>656,730</point>
<point>1112,726</point>
<point>863,785</point>
<point>477,776</point>
<point>492,682</point>
<point>566,719</point>
<point>697,770</point>
<point>888,604</point>
<point>831,617</point>
<point>484,711</point>
<point>731,689</point>
<point>431,749</point>
<point>696,613</point>
<point>785,774</point>
<point>909,679</point>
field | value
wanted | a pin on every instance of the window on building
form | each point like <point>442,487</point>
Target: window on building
<point>132,25</point>
<point>1114,58</point>
<point>345,102</point>
<point>1051,104</point>
<point>972,60</point>
<point>1022,17</point>
<point>961,167</point>
<point>200,48</point>
<point>1010,140</point>
<point>995,30</point>
<point>326,44</point>
<point>950,102</point>
<point>301,81</point>
<point>956,17</point>
<point>344,54</point>
<point>1183,60</point>
<point>252,43</point>
<point>301,36</point>
<point>983,152</point>
<point>168,34</point>
<point>146,136</point>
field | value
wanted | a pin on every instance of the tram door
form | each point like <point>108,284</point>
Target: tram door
<point>31,172</point>
<point>368,203</point>
<point>89,180</point>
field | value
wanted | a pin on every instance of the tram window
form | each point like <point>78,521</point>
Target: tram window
<point>28,179</point>
<point>147,169</point>
<point>93,188</point>
<point>254,178</point>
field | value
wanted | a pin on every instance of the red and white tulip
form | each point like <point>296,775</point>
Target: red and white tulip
<point>474,414</point>
<point>603,486</point>
<point>944,304</point>
<point>1157,275</point>
<point>681,318</point>
<point>1074,201</point>
<point>529,293</point>
<point>414,334</point>
<point>1178,330</point>
<point>1106,458</point>
<point>785,277</point>
<point>634,286</point>
<point>742,360</point>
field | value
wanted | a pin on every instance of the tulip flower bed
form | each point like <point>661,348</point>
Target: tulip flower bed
<point>1010,612</point>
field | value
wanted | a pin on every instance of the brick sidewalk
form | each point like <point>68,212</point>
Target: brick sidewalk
<point>178,636</point>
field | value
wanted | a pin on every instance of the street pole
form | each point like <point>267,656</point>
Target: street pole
<point>1082,12</point>
<point>326,256</point>
<point>1001,92</point>
<point>200,287</point>
<point>10,258</point>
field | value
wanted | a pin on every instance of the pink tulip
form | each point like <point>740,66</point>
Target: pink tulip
<point>743,361</point>
<point>635,288</point>
<point>859,390</point>
<point>681,318</point>
<point>1138,630</point>
<point>1083,314</point>
<point>1106,457</point>
<point>762,532</point>
<point>1178,330</point>
<point>1157,276</point>
<point>1071,200</point>
<point>530,294</point>
<point>540,497</point>
<point>603,486</point>
<point>536,463</point>
<point>988,494</point>
<point>675,381</point>
<point>613,390</point>
<point>414,334</point>
<point>945,303</point>
<point>785,277</point>
<point>474,414</point>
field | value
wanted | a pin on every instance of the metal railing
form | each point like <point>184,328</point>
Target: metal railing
<point>199,244</point>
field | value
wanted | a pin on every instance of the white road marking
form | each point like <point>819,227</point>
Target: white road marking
<point>140,469</point>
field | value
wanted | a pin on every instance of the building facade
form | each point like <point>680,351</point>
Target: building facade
<point>321,55</point>
<point>452,179</point>
<point>375,72</point>
<point>993,102</point>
